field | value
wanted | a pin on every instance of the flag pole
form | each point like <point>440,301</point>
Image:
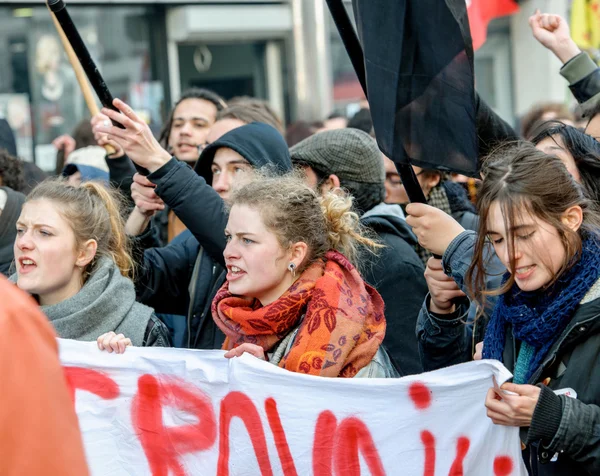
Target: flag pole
<point>80,75</point>
<point>355,52</point>
<point>69,29</point>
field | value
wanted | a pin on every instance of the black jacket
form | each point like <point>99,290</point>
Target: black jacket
<point>166,279</point>
<point>397,273</point>
<point>157,334</point>
<point>565,426</point>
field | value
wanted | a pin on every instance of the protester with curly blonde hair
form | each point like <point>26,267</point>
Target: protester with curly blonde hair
<point>293,295</point>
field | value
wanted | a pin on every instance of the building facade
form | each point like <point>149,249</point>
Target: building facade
<point>285,51</point>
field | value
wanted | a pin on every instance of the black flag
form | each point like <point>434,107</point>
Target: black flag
<point>418,59</point>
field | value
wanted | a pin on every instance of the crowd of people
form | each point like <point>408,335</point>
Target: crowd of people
<point>302,249</point>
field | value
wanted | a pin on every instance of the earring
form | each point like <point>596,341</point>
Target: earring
<point>292,268</point>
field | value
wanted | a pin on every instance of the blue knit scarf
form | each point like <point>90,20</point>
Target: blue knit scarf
<point>539,317</point>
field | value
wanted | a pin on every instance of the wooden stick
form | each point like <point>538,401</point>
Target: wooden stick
<point>80,75</point>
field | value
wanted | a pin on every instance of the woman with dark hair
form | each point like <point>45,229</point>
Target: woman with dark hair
<point>545,323</point>
<point>578,151</point>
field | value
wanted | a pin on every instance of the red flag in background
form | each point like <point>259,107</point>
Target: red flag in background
<point>481,12</point>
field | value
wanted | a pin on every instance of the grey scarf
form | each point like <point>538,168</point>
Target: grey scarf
<point>105,303</point>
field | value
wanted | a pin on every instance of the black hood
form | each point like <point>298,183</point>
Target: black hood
<point>260,144</point>
<point>385,219</point>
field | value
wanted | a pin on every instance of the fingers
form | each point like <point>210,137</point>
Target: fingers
<point>104,340</point>
<point>143,180</point>
<point>130,125</point>
<point>113,342</point>
<point>123,343</point>
<point>236,352</point>
<point>144,196</point>
<point>418,210</point>
<point>253,349</point>
<point>494,403</point>
<point>99,119</point>
<point>435,264</point>
<point>478,352</point>
<point>522,390</point>
<point>127,110</point>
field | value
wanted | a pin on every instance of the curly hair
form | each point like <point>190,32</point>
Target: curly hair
<point>11,172</point>
<point>295,212</point>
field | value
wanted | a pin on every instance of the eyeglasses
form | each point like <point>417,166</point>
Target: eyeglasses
<point>394,180</point>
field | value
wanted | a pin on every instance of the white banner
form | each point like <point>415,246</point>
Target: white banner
<point>153,411</point>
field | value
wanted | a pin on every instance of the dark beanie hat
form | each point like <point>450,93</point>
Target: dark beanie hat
<point>260,144</point>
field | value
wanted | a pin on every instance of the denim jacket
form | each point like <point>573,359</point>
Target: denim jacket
<point>445,342</point>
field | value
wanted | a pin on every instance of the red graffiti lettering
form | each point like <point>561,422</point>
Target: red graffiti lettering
<point>162,445</point>
<point>428,441</point>
<point>462,448</point>
<point>283,449</point>
<point>503,465</point>
<point>420,395</point>
<point>91,381</point>
<point>323,444</point>
<point>353,436</point>
<point>236,404</point>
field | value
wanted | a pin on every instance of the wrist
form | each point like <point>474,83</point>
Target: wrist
<point>566,51</point>
<point>157,161</point>
<point>445,308</point>
<point>145,214</point>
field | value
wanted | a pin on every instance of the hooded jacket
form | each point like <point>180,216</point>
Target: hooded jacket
<point>183,277</point>
<point>8,232</point>
<point>396,271</point>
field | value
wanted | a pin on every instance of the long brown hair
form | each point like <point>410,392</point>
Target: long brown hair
<point>94,212</point>
<point>523,180</point>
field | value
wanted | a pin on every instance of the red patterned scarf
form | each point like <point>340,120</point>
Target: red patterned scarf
<point>343,323</point>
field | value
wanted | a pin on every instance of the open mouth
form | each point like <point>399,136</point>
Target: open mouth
<point>524,272</point>
<point>26,265</point>
<point>233,273</point>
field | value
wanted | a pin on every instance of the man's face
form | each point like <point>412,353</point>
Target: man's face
<point>394,189</point>
<point>192,120</point>
<point>229,169</point>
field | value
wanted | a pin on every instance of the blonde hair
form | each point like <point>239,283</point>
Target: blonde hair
<point>94,212</point>
<point>294,212</point>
